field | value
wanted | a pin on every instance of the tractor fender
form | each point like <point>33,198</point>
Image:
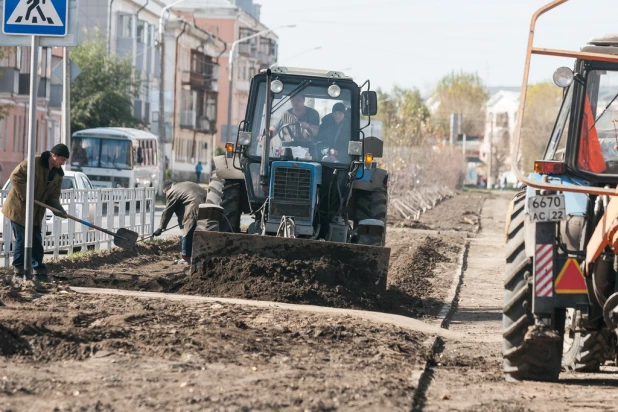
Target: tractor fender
<point>225,170</point>
<point>372,180</point>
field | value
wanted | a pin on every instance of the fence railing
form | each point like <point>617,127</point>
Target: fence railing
<point>111,209</point>
<point>412,203</point>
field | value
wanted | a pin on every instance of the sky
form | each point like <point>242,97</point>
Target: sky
<point>414,43</point>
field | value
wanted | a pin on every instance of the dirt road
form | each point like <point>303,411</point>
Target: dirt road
<point>467,374</point>
<point>261,349</point>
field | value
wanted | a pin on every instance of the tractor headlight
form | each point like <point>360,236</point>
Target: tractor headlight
<point>563,77</point>
<point>244,138</point>
<point>276,86</point>
<point>355,148</point>
<point>334,91</point>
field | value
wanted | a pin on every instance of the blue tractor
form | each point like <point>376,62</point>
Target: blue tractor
<point>302,168</point>
<point>561,279</point>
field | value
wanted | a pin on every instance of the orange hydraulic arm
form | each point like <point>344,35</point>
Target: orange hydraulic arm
<point>605,234</point>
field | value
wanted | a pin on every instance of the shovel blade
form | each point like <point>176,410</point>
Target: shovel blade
<point>125,238</point>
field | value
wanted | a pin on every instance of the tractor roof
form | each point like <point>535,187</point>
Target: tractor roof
<point>607,40</point>
<point>308,72</point>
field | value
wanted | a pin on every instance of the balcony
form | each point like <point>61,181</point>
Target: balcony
<point>207,126</point>
<point>201,81</point>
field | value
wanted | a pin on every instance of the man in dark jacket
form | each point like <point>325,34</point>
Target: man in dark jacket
<point>48,175</point>
<point>184,200</point>
<point>335,133</point>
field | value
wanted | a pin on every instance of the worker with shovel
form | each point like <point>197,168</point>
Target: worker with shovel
<point>48,175</point>
<point>184,200</point>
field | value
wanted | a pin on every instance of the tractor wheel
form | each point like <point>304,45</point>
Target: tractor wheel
<point>371,205</point>
<point>583,351</point>
<point>523,360</point>
<point>226,195</point>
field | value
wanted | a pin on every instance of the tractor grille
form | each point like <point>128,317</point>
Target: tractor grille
<point>292,193</point>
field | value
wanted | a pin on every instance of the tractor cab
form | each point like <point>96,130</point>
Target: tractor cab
<point>584,141</point>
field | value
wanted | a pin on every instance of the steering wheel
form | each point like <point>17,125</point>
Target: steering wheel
<point>294,131</point>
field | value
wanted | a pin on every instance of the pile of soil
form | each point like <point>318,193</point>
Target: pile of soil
<point>322,282</point>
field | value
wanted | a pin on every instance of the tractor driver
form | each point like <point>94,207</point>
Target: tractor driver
<point>298,123</point>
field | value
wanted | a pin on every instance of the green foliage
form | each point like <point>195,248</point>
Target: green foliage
<point>542,106</point>
<point>404,117</point>
<point>219,151</point>
<point>462,93</point>
<point>102,94</point>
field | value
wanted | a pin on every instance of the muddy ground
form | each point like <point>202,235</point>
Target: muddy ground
<point>79,352</point>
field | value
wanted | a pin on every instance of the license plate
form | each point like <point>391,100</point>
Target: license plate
<point>548,208</point>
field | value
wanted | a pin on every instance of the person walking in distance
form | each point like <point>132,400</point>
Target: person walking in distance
<point>182,199</point>
<point>48,175</point>
<point>198,172</point>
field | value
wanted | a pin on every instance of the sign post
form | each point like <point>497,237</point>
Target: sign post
<point>36,23</point>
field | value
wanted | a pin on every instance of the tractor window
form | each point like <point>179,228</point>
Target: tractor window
<point>307,122</point>
<point>598,145</point>
<point>557,144</point>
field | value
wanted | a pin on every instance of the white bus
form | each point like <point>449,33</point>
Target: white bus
<point>115,157</point>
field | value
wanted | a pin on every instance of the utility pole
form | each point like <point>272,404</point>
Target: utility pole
<point>161,124</point>
<point>66,101</point>
<point>491,154</point>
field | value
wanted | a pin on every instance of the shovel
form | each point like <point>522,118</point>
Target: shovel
<point>124,238</point>
<point>146,237</point>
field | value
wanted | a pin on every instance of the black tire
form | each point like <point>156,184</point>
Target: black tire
<point>538,360</point>
<point>584,351</point>
<point>226,195</point>
<point>371,205</point>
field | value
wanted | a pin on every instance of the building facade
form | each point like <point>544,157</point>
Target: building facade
<point>232,21</point>
<point>14,104</point>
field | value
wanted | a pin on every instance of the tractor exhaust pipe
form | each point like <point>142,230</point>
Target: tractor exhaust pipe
<point>264,178</point>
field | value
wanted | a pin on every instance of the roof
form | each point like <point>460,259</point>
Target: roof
<point>122,132</point>
<point>202,4</point>
<point>607,40</point>
<point>309,72</point>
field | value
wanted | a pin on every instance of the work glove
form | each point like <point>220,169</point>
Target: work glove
<point>158,232</point>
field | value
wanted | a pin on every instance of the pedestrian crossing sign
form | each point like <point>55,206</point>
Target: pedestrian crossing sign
<point>35,17</point>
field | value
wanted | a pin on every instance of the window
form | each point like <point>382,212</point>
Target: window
<point>125,25</point>
<point>142,26</point>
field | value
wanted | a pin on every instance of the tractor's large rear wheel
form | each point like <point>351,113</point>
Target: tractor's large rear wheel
<point>523,360</point>
<point>227,195</point>
<point>371,205</point>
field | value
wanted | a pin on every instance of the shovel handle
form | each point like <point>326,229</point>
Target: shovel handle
<point>83,222</point>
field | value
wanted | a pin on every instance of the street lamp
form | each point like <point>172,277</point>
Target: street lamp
<point>161,132</point>
<point>231,74</point>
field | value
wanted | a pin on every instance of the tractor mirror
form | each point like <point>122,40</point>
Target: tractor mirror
<point>369,103</point>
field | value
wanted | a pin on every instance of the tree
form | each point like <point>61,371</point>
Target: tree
<point>404,117</point>
<point>102,95</point>
<point>465,94</point>
<point>542,105</point>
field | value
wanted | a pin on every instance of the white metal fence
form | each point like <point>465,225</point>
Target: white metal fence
<point>111,209</point>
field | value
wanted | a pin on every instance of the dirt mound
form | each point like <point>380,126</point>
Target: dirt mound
<point>321,282</point>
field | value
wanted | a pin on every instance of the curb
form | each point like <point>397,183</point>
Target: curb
<point>447,312</point>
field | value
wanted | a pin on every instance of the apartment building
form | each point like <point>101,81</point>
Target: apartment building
<point>14,103</point>
<point>233,20</point>
<point>191,73</point>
